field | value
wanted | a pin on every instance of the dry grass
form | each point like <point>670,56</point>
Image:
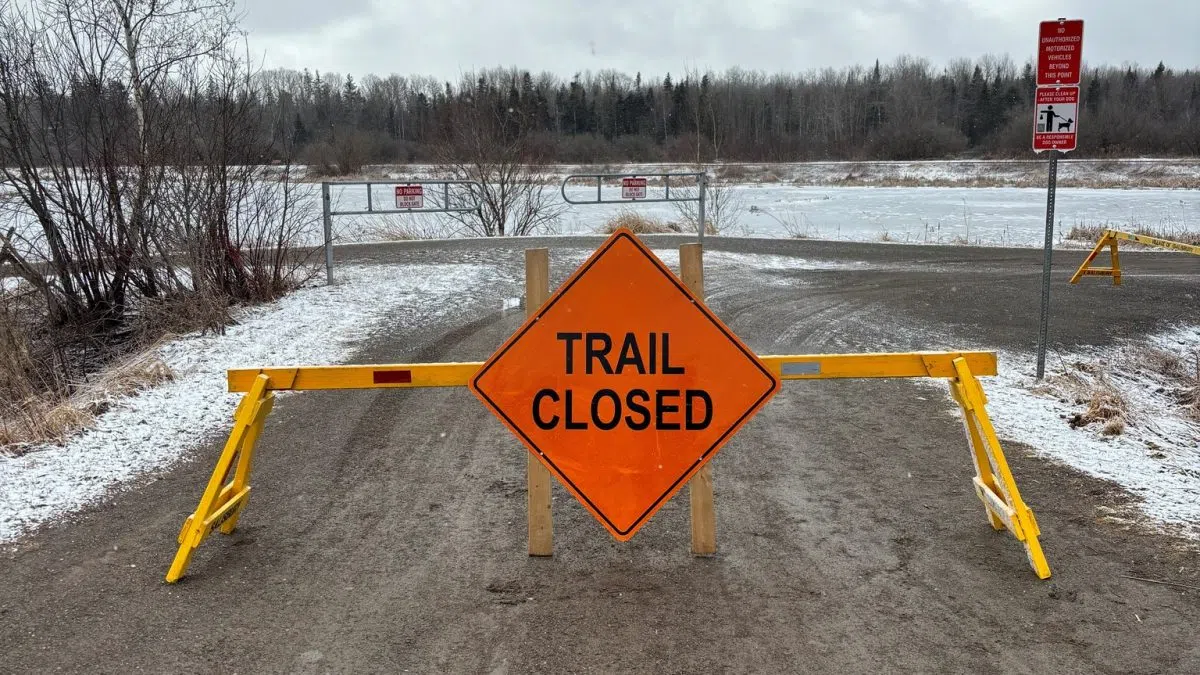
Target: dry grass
<point>732,172</point>
<point>1088,385</point>
<point>1092,233</point>
<point>49,419</point>
<point>1184,377</point>
<point>638,224</point>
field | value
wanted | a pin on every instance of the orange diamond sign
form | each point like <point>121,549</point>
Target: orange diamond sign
<point>624,384</point>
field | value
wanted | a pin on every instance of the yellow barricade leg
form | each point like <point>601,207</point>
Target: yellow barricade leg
<point>222,502</point>
<point>994,482</point>
<point>1116,262</point>
<point>983,465</point>
<point>241,476</point>
<point>1085,268</point>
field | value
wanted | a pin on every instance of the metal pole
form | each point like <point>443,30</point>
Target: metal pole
<point>702,181</point>
<point>1044,332</point>
<point>328,218</point>
<point>369,207</point>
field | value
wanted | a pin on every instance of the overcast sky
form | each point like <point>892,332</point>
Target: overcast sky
<point>446,38</point>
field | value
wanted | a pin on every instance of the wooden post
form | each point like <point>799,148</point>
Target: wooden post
<point>541,521</point>
<point>700,489</point>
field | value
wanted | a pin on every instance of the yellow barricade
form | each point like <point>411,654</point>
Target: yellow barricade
<point>225,498</point>
<point>1110,239</point>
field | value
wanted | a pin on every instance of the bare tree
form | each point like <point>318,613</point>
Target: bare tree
<point>132,141</point>
<point>490,144</point>
<point>723,208</point>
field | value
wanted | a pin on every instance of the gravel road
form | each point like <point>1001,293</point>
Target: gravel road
<point>386,532</point>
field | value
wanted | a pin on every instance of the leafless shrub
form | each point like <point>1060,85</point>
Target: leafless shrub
<point>345,153</point>
<point>490,145</point>
<point>723,207</point>
<point>134,147</point>
<point>408,228</point>
<point>731,172</point>
<point>797,225</point>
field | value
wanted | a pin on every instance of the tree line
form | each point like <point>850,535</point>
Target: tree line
<point>904,110</point>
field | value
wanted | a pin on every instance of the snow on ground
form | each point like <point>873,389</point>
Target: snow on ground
<point>1004,216</point>
<point>1156,458</point>
<point>155,429</point>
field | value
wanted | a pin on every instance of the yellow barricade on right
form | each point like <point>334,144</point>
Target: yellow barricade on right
<point>1110,239</point>
<point>993,480</point>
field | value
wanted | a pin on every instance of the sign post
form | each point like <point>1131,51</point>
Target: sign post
<point>1055,130</point>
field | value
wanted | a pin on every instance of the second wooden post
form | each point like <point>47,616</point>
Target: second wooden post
<point>541,520</point>
<point>700,489</point>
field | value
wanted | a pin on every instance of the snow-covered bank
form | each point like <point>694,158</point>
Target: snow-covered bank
<point>1156,457</point>
<point>152,431</point>
<point>1031,172</point>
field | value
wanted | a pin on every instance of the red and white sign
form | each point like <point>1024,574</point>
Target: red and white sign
<point>633,188</point>
<point>1060,52</point>
<point>1056,120</point>
<point>410,197</point>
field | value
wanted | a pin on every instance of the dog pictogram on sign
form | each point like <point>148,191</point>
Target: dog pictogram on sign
<point>1056,120</point>
<point>624,384</point>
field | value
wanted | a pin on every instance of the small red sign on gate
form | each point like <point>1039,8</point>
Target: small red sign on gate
<point>410,197</point>
<point>633,188</point>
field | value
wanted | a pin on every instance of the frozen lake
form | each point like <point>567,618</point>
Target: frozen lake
<point>986,216</point>
<point>989,216</point>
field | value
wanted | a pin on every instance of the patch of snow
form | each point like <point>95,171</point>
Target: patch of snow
<point>155,429</point>
<point>1157,457</point>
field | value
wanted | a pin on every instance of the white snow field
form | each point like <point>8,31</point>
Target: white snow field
<point>981,216</point>
<point>807,202</point>
<point>154,429</point>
